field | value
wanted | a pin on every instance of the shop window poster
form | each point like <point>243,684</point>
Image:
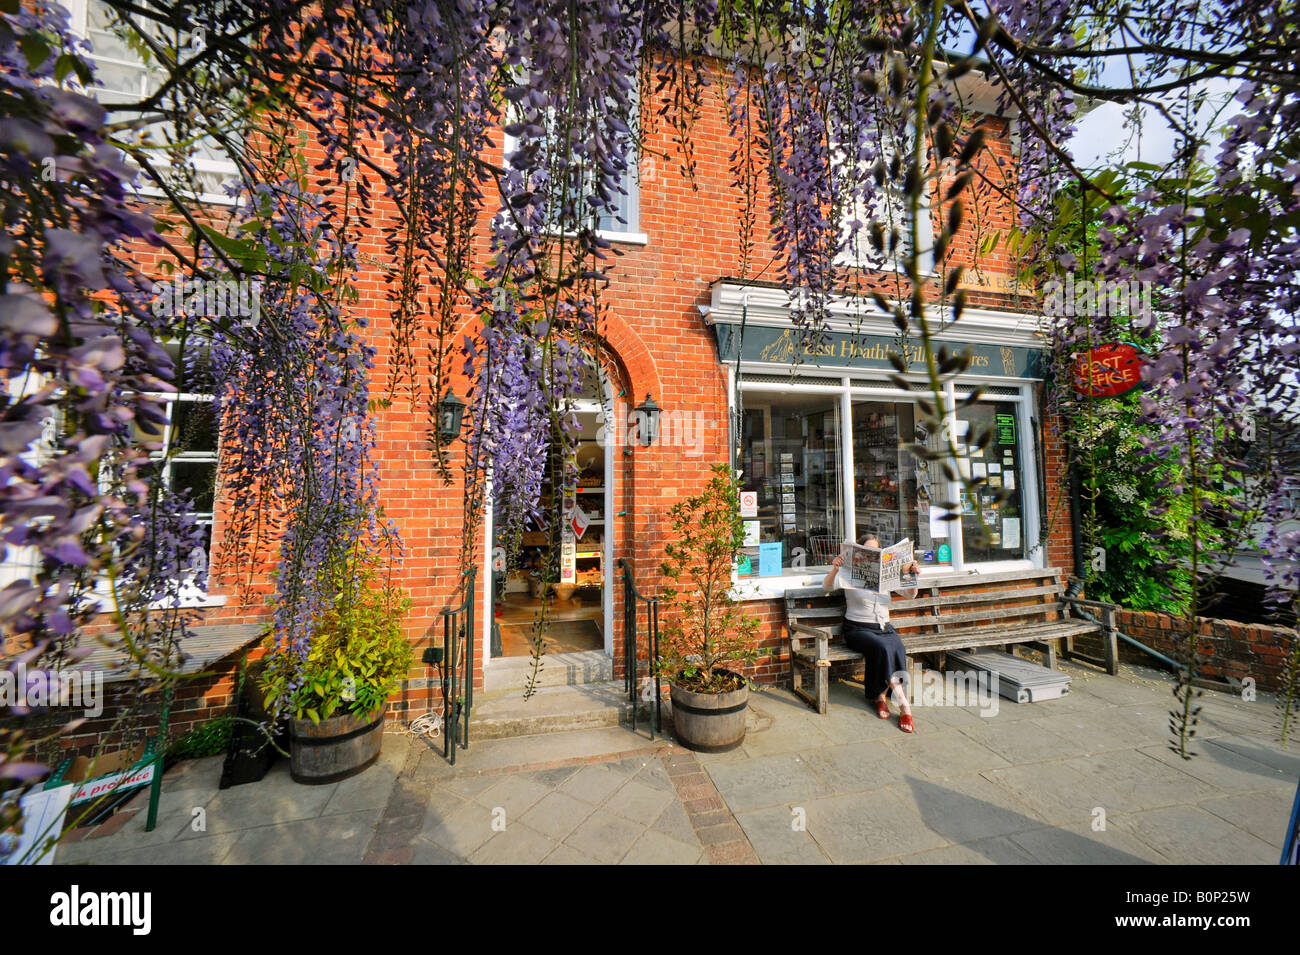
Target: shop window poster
<point>769,559</point>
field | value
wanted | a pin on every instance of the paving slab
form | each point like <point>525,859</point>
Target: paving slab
<point>766,781</point>
<point>868,827</point>
<point>1024,741</point>
<point>338,839</point>
<point>1000,850</point>
<point>1079,844</point>
<point>966,808</point>
<point>655,848</point>
<point>517,844</point>
<point>512,795</point>
<point>604,836</point>
<point>557,814</point>
<point>856,767</point>
<point>777,840</point>
<point>1225,768</point>
<point>1189,835</point>
<point>1263,815</point>
<point>592,784</point>
<point>938,755</point>
<point>1129,780</point>
<point>639,802</point>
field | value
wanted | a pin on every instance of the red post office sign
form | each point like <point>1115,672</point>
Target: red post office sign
<point>1107,371</point>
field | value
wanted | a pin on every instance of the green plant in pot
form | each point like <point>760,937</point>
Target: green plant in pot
<point>707,640</point>
<point>357,657</point>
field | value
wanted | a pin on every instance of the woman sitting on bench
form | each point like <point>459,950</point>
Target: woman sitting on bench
<point>868,631</point>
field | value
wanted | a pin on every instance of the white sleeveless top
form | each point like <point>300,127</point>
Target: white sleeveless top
<point>862,605</point>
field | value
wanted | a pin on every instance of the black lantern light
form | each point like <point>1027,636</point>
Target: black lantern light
<point>450,411</point>
<point>648,421</point>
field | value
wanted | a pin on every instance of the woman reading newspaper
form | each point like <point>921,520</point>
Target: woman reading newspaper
<point>868,631</point>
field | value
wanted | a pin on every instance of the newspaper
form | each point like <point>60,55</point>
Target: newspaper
<point>877,569</point>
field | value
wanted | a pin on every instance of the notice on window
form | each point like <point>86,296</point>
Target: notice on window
<point>749,504</point>
<point>1010,532</point>
<point>769,559</point>
<point>751,533</point>
<point>938,526</point>
<point>1006,428</point>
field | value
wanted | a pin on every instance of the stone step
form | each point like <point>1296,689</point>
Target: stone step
<point>501,714</point>
<point>558,669</point>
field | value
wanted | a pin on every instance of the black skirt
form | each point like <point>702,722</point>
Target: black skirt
<point>882,649</point>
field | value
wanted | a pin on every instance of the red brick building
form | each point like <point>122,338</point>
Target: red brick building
<point>816,434</point>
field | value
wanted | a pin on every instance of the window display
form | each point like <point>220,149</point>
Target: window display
<point>796,492</point>
<point>791,462</point>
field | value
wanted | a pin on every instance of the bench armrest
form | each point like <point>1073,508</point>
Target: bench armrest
<point>1107,611</point>
<point>801,631</point>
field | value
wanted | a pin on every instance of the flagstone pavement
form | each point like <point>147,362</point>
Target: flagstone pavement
<point>1089,778</point>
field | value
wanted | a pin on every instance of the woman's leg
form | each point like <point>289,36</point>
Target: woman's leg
<point>875,676</point>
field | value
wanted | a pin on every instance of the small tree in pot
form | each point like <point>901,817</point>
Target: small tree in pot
<point>707,640</point>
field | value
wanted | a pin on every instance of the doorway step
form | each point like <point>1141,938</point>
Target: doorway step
<point>558,669</point>
<point>503,713</point>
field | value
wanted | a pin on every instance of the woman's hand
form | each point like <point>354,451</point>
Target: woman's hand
<point>839,561</point>
<point>912,568</point>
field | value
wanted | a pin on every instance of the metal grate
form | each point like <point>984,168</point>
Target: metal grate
<point>832,380</point>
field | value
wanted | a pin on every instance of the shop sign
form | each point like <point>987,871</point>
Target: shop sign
<point>764,343</point>
<point>1107,371</point>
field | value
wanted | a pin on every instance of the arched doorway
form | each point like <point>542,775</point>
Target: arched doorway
<point>581,613</point>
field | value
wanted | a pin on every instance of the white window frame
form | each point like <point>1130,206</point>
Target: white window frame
<point>78,21</point>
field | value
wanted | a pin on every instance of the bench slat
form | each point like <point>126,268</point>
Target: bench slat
<point>948,600</point>
<point>998,613</point>
<point>988,636</point>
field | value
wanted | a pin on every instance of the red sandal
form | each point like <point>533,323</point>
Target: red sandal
<point>882,709</point>
<point>905,723</point>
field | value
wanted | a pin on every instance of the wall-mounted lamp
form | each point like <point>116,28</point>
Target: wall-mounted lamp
<point>647,416</point>
<point>450,411</point>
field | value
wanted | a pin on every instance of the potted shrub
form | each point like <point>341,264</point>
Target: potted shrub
<point>707,639</point>
<point>359,654</point>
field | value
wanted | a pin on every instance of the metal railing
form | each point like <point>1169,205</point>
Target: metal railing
<point>458,668</point>
<point>632,600</point>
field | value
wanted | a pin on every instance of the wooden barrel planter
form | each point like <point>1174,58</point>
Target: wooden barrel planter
<point>337,748</point>
<point>709,722</point>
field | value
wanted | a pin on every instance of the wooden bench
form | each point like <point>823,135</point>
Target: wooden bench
<point>950,613</point>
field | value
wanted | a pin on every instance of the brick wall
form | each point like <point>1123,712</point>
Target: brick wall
<point>656,343</point>
<point>1231,651</point>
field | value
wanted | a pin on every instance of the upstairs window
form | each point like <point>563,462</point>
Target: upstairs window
<point>125,72</point>
<point>888,207</point>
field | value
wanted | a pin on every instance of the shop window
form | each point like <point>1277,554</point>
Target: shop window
<point>791,462</point>
<point>889,501</point>
<point>1001,534</point>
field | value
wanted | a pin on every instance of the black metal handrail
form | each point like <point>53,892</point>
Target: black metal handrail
<point>458,641</point>
<point>631,598</point>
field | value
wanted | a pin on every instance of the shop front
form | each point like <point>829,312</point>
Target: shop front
<point>820,440</point>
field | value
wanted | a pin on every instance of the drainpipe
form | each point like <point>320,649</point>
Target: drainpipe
<point>1076,513</point>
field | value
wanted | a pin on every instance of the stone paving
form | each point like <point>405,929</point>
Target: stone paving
<point>1089,778</point>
